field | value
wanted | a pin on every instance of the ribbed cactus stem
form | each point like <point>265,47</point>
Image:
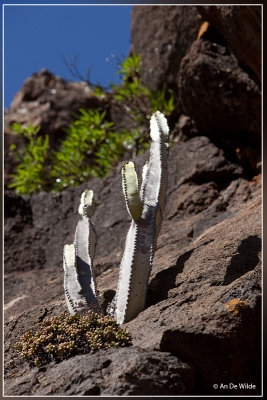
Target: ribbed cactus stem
<point>79,281</point>
<point>74,299</point>
<point>141,239</point>
<point>131,190</point>
<point>87,204</point>
<point>154,184</point>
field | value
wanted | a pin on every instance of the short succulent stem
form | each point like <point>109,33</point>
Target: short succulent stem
<point>79,282</point>
<point>131,190</point>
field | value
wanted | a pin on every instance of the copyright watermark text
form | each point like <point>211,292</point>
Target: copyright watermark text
<point>234,386</point>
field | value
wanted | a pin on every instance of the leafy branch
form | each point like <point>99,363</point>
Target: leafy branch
<point>92,146</point>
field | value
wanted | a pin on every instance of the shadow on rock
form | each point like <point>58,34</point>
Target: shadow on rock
<point>165,280</point>
<point>246,259</point>
<point>219,359</point>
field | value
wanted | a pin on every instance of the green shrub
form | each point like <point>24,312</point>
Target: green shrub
<point>64,336</point>
<point>132,88</point>
<point>91,146</point>
<point>32,172</point>
<point>89,149</point>
<point>140,99</point>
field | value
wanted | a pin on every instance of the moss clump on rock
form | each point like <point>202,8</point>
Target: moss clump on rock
<point>64,336</point>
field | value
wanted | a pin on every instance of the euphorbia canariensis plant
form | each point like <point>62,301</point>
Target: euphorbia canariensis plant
<point>145,206</point>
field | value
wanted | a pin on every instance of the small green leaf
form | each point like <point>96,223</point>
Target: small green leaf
<point>12,146</point>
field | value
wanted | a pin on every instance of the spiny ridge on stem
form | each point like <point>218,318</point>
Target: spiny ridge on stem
<point>141,239</point>
<point>79,280</point>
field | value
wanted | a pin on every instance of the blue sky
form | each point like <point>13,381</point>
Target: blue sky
<point>37,37</point>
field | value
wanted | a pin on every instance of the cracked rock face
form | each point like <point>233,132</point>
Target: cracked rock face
<point>207,301</point>
<point>215,73</point>
<point>218,84</point>
<point>162,35</point>
<point>204,294</point>
<point>49,101</point>
<point>241,28</point>
<point>125,371</point>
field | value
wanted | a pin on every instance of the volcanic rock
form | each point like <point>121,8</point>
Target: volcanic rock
<point>122,371</point>
<point>45,222</point>
<point>240,26</point>
<point>162,35</point>
<point>208,261</point>
<point>206,306</point>
<point>218,85</point>
<point>50,101</point>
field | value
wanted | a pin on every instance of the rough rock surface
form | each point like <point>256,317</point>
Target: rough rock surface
<point>162,35</point>
<point>49,101</point>
<point>241,28</point>
<point>37,227</point>
<point>190,286</point>
<point>123,371</point>
<point>219,75</point>
<point>204,305</point>
<point>223,100</point>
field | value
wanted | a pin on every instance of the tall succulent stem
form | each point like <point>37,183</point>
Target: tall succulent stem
<point>146,216</point>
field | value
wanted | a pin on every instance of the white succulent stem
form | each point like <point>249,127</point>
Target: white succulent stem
<point>79,280</point>
<point>142,236</point>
